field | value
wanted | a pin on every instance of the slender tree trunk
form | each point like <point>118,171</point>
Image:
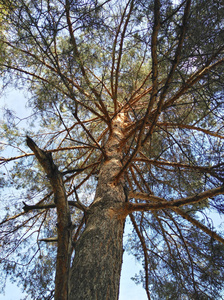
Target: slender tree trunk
<point>63,219</point>
<point>95,273</point>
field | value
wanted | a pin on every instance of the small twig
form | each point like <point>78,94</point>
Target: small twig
<point>49,240</point>
<point>72,171</point>
<point>82,206</point>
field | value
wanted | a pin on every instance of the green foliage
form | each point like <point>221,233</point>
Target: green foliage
<point>82,63</point>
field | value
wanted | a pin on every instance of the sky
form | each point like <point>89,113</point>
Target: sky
<point>16,101</point>
<point>128,289</point>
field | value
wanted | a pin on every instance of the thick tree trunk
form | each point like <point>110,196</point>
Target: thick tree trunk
<point>95,273</point>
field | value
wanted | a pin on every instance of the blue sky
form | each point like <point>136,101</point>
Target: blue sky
<point>128,289</point>
<point>16,101</point>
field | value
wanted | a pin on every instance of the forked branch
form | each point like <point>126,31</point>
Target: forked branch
<point>174,205</point>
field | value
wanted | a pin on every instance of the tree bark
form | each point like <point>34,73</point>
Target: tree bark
<point>64,225</point>
<point>95,273</point>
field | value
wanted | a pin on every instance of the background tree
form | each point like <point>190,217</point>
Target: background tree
<point>128,120</point>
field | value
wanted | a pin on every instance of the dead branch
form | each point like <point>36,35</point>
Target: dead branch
<point>63,219</point>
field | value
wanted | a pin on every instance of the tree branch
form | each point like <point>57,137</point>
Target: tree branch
<point>186,126</point>
<point>102,107</point>
<point>180,202</point>
<point>192,80</point>
<point>114,56</point>
<point>156,27</point>
<point>49,240</point>
<point>120,53</point>
<point>27,207</point>
<point>164,204</point>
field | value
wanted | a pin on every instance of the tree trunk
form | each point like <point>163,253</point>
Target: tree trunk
<point>64,224</point>
<point>95,273</point>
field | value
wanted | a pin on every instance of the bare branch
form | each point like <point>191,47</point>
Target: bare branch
<point>163,204</point>
<point>51,205</point>
<point>49,240</point>
<point>175,204</point>
<point>186,126</point>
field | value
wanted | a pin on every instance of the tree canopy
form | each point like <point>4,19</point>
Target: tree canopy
<point>83,64</point>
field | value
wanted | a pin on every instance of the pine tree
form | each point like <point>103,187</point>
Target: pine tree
<point>128,121</point>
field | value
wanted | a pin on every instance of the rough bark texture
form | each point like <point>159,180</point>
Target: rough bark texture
<point>95,273</point>
<point>63,219</point>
